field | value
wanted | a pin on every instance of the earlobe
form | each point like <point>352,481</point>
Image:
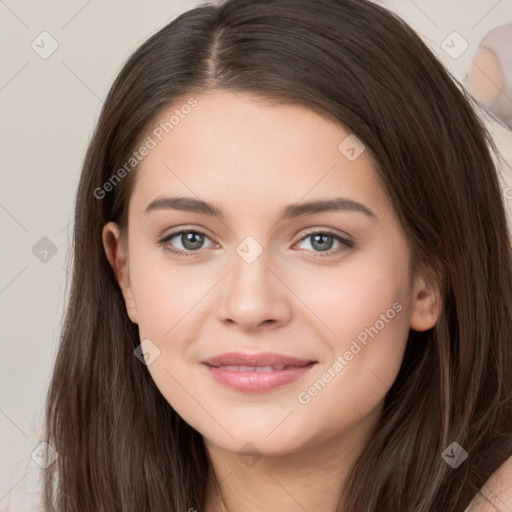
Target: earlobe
<point>425,306</point>
<point>116,253</point>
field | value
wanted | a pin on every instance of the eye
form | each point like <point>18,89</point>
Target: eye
<point>323,241</point>
<point>190,240</point>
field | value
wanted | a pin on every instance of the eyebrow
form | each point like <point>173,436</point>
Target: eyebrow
<point>191,204</point>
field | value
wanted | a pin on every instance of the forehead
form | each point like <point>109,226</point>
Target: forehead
<point>237,150</point>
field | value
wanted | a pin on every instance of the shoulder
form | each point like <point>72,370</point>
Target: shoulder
<point>496,493</point>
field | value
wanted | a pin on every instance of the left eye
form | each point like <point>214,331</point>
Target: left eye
<point>322,242</point>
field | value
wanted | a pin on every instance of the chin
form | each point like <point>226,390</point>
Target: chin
<point>262,442</point>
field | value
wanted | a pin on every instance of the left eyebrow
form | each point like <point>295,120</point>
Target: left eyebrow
<point>290,211</point>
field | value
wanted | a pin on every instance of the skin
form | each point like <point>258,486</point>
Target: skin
<point>252,159</point>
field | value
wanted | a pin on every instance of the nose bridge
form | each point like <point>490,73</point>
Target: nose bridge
<point>254,294</point>
<point>250,276</point>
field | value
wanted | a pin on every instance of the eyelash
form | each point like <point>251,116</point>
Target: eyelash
<point>347,243</point>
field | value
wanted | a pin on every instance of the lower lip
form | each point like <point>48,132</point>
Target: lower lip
<point>256,382</point>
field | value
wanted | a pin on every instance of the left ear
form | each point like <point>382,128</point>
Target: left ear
<point>425,304</point>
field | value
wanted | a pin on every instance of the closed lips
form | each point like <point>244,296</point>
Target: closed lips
<point>264,361</point>
<point>273,368</point>
<point>257,372</point>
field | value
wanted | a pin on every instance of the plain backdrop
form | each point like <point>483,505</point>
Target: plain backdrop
<point>49,105</point>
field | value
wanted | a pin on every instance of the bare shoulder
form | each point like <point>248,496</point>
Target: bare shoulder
<point>496,494</point>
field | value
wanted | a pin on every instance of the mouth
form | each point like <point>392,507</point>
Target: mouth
<point>256,373</point>
<point>273,368</point>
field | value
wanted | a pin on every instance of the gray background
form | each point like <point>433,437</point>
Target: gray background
<point>48,109</point>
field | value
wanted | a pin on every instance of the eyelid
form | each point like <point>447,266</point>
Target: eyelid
<point>184,229</point>
<point>174,231</point>
<point>327,231</point>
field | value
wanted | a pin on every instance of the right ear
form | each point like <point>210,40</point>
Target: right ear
<point>116,251</point>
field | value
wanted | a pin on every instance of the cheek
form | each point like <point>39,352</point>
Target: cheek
<point>169,298</point>
<point>354,297</point>
<point>165,292</point>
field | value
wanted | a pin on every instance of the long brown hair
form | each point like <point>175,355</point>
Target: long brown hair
<point>120,445</point>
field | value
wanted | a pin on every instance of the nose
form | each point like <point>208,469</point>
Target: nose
<point>255,296</point>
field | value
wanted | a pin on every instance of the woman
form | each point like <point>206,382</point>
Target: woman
<point>292,277</point>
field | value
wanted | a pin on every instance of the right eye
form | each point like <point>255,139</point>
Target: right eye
<point>190,239</point>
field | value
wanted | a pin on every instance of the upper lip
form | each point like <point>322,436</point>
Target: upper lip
<point>260,359</point>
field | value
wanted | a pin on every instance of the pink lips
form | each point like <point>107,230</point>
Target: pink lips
<point>256,372</point>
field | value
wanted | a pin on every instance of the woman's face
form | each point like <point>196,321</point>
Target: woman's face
<point>269,275</point>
